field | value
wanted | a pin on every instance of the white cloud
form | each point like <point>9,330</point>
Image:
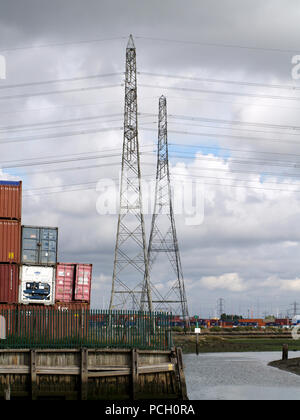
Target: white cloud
<point>285,285</point>
<point>228,281</point>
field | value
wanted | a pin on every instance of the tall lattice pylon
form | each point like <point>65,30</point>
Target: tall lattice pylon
<point>131,271</point>
<point>167,288</point>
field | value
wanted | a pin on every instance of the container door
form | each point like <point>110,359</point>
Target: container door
<point>30,245</point>
<point>83,282</point>
<point>64,282</point>
<point>48,249</point>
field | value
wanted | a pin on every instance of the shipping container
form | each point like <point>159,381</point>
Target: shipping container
<point>10,200</point>
<point>83,281</point>
<point>46,322</point>
<point>60,306</point>
<point>39,245</point>
<point>65,280</point>
<point>72,306</point>
<point>9,283</point>
<point>10,241</point>
<point>37,285</point>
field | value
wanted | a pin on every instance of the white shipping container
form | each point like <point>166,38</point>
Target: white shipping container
<point>296,320</point>
<point>37,285</point>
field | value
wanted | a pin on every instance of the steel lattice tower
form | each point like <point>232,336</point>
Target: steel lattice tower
<point>163,236</point>
<point>131,272</point>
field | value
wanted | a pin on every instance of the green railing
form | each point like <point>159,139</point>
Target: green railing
<point>52,328</point>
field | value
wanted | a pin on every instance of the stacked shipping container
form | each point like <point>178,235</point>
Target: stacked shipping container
<point>10,239</point>
<point>73,282</point>
<point>38,270</point>
<point>29,273</point>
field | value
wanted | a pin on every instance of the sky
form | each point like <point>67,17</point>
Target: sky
<point>233,130</point>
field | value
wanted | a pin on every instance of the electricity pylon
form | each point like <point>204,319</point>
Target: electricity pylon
<point>163,236</point>
<point>131,271</point>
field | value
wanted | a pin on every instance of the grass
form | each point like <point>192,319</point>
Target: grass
<point>214,344</point>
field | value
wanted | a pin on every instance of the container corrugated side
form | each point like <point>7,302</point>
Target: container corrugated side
<point>10,241</point>
<point>72,306</point>
<point>65,279</point>
<point>11,200</point>
<point>83,282</point>
<point>37,285</point>
<point>9,283</point>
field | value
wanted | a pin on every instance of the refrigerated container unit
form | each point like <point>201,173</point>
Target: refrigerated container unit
<point>10,241</point>
<point>37,285</point>
<point>9,283</point>
<point>11,200</point>
<point>39,245</point>
<point>83,282</point>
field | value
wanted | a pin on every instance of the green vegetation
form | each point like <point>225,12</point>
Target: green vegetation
<point>214,344</point>
<point>230,318</point>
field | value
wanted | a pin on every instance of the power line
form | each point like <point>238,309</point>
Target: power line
<point>210,44</point>
<point>58,135</point>
<point>233,102</point>
<point>233,128</point>
<point>211,80</point>
<point>249,161</point>
<point>71,79</point>
<point>220,92</point>
<point>24,127</point>
<point>60,44</point>
<point>70,159</point>
<point>96,117</point>
<point>56,92</point>
<point>227,136</point>
<point>241,186</point>
<point>199,146</point>
<point>173,175</point>
<point>239,170</point>
<point>232,122</point>
<point>239,180</point>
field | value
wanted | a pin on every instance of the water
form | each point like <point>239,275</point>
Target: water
<point>239,376</point>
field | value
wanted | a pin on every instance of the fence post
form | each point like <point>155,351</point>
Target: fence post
<point>134,373</point>
<point>33,374</point>
<point>84,374</point>
<point>285,352</point>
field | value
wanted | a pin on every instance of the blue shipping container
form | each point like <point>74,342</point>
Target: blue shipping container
<point>39,245</point>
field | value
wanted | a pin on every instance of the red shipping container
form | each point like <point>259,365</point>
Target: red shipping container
<point>65,278</point>
<point>10,200</point>
<point>83,281</point>
<point>9,283</point>
<point>72,306</point>
<point>10,241</point>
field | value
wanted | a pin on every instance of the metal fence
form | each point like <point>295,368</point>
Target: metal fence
<point>53,328</point>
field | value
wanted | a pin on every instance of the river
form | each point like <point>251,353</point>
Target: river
<point>239,376</point>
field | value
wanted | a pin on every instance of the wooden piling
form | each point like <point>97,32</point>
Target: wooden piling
<point>98,374</point>
<point>285,352</point>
